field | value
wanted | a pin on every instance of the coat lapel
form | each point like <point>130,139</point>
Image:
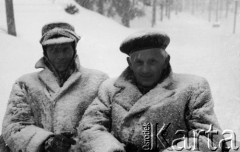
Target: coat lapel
<point>134,101</point>
<point>71,80</point>
<point>53,90</point>
<point>153,97</point>
<point>47,77</point>
<point>129,93</point>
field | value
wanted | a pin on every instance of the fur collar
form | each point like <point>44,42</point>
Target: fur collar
<point>49,79</point>
<point>129,93</point>
<point>127,78</point>
<point>41,63</point>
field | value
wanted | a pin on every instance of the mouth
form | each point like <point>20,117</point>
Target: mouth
<point>145,76</point>
<point>61,61</point>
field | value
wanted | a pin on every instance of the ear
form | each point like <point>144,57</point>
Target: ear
<point>44,51</point>
<point>129,62</point>
<point>167,60</point>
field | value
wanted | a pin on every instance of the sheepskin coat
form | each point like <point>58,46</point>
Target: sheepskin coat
<point>121,117</point>
<point>38,107</point>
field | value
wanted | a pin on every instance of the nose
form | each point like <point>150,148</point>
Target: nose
<point>59,58</point>
<point>60,55</point>
<point>145,69</point>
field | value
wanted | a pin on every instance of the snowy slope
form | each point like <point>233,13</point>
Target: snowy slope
<point>98,47</point>
<point>196,47</point>
<point>214,54</point>
<point>97,32</point>
<point>18,57</point>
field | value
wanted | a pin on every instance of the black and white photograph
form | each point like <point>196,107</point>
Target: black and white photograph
<point>120,75</point>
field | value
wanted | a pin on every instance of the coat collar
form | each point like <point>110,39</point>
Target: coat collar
<point>53,90</point>
<point>126,80</point>
<point>41,64</point>
<point>139,102</point>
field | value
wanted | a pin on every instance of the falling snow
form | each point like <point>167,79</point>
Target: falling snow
<point>196,47</point>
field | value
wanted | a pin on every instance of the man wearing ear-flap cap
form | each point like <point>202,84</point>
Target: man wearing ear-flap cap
<point>147,100</point>
<point>45,107</point>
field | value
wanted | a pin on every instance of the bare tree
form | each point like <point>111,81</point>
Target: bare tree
<point>166,7</point>
<point>126,14</point>
<point>161,11</point>
<point>210,10</point>
<point>217,10</point>
<point>227,8</point>
<point>235,16</point>
<point>193,6</point>
<point>100,6</point>
<point>220,8</point>
<point>176,6</point>
<point>169,8</point>
<point>10,17</point>
<point>154,12</point>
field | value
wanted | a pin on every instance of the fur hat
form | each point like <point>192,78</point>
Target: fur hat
<point>144,40</point>
<point>58,33</point>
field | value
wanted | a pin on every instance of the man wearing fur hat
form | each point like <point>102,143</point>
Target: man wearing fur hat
<point>148,107</point>
<point>45,107</point>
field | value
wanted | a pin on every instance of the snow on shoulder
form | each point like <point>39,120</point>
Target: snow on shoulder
<point>98,47</point>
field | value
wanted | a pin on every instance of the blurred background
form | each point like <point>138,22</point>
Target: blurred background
<point>205,40</point>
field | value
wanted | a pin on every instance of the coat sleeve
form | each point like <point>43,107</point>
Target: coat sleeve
<point>19,131</point>
<point>95,125</point>
<point>204,131</point>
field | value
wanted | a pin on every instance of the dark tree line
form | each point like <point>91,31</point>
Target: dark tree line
<point>125,9</point>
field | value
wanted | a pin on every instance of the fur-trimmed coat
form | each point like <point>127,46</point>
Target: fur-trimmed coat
<point>38,107</point>
<point>121,117</point>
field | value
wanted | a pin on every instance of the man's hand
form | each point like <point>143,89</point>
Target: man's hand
<point>59,143</point>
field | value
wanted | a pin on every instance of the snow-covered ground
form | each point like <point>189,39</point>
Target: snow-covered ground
<point>196,47</point>
<point>98,47</point>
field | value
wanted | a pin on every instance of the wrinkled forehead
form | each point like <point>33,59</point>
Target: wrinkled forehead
<point>153,53</point>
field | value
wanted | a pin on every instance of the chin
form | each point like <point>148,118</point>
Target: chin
<point>61,70</point>
<point>147,84</point>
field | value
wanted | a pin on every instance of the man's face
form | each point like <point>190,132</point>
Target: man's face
<point>147,66</point>
<point>60,55</point>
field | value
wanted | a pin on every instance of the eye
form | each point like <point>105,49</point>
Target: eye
<point>52,50</point>
<point>151,62</point>
<point>65,50</point>
<point>138,62</point>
